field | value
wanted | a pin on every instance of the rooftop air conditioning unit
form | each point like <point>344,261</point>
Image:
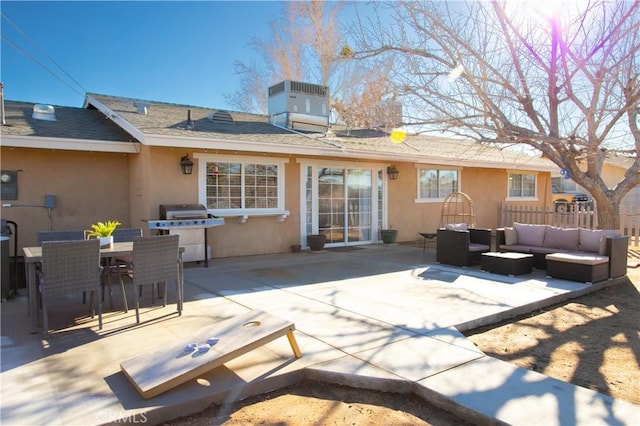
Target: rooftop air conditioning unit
<point>299,106</point>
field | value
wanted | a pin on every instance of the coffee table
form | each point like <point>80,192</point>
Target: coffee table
<point>507,263</point>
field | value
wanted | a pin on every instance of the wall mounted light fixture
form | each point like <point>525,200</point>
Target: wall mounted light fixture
<point>186,165</point>
<point>392,172</point>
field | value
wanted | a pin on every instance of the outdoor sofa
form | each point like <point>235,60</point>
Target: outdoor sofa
<point>577,254</point>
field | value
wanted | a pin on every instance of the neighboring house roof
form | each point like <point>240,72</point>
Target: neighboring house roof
<point>74,129</point>
<point>165,124</point>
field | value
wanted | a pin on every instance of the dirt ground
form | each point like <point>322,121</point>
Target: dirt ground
<point>592,341</point>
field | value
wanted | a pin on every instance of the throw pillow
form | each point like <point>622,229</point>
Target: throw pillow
<point>510,237</point>
<point>595,240</point>
<point>562,238</point>
<point>530,235</point>
<point>457,227</point>
<point>590,240</point>
<point>603,240</point>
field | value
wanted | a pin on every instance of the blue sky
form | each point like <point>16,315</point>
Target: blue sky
<point>180,52</point>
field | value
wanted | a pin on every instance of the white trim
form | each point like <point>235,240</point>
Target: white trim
<point>113,116</point>
<point>342,163</point>
<point>420,167</point>
<point>314,163</point>
<point>243,214</point>
<point>69,144</point>
<point>522,198</point>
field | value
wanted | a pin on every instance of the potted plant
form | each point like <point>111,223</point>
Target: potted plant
<point>104,231</point>
<point>316,241</point>
<point>388,236</point>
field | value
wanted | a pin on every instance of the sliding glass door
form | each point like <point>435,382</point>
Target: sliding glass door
<point>343,203</point>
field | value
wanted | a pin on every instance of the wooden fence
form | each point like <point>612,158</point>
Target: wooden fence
<point>583,218</point>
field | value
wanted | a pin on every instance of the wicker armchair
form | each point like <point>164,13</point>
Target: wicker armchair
<point>70,267</point>
<point>155,260</point>
<point>462,248</point>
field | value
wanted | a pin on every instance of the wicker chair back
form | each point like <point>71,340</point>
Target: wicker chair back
<point>70,267</point>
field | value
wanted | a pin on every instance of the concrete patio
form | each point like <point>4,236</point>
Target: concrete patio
<point>384,317</point>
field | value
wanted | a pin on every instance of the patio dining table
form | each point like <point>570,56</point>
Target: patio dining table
<point>33,256</point>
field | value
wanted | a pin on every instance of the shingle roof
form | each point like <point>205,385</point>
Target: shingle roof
<point>71,123</point>
<point>166,120</point>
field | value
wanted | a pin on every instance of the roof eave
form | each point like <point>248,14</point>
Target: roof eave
<point>17,141</point>
<point>244,146</point>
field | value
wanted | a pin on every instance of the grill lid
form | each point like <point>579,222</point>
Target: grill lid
<point>182,211</point>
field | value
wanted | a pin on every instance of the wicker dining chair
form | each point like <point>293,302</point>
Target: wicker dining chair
<point>121,235</point>
<point>44,236</point>
<point>70,267</point>
<point>59,236</point>
<point>155,260</point>
<point>126,234</point>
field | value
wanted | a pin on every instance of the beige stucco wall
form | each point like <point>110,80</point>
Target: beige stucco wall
<point>87,186</point>
<point>486,187</point>
<point>91,186</point>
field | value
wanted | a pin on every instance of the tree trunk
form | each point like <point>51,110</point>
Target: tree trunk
<point>608,213</point>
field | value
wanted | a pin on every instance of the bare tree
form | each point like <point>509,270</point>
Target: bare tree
<point>564,80</point>
<point>307,44</point>
<point>304,45</point>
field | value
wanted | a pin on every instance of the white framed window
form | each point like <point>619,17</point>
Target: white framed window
<point>522,186</point>
<point>235,185</point>
<point>561,184</point>
<point>435,184</point>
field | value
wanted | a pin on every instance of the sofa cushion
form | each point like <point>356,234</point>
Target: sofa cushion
<point>516,247</point>
<point>478,247</point>
<point>530,235</point>
<point>547,250</point>
<point>594,240</point>
<point>579,258</point>
<point>510,236</point>
<point>562,238</point>
<point>457,226</point>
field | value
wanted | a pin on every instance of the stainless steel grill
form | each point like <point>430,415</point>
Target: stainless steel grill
<point>182,211</point>
<point>185,216</point>
<point>186,220</point>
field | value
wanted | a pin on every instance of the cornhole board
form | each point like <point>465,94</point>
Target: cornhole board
<point>157,371</point>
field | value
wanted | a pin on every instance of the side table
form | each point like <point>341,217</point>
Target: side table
<point>426,236</point>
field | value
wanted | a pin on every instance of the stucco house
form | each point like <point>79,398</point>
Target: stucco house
<point>271,179</point>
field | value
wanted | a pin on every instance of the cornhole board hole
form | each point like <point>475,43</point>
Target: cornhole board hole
<point>157,371</point>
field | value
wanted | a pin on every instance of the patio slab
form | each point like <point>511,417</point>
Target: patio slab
<point>382,317</point>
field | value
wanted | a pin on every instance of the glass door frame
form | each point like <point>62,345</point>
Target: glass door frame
<point>378,177</point>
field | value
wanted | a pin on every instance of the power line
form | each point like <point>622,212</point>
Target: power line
<point>28,56</point>
<point>33,43</point>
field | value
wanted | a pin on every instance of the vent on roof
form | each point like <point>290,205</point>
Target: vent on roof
<point>299,106</point>
<point>44,112</point>
<point>141,107</point>
<point>221,117</point>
